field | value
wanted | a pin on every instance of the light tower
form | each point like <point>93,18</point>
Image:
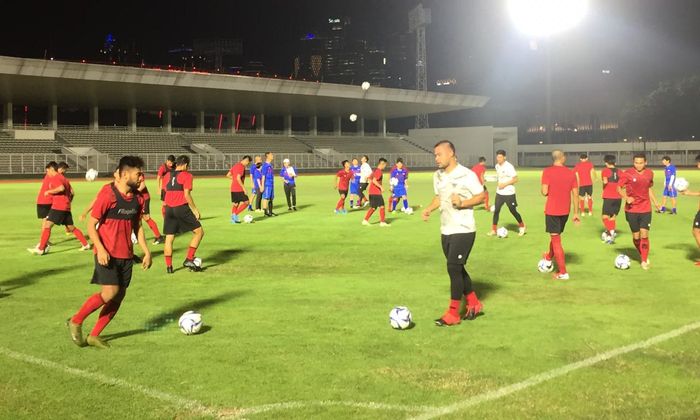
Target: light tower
<point>418,19</point>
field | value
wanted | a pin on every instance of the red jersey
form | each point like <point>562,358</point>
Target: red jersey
<point>48,183</point>
<point>237,169</point>
<point>344,179</point>
<point>610,189</point>
<point>637,185</point>
<point>479,170</point>
<point>561,180</point>
<point>376,175</point>
<point>161,173</point>
<point>176,182</point>
<point>118,215</point>
<point>62,200</point>
<point>583,169</point>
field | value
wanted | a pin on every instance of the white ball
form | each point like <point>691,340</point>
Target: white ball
<point>681,184</point>
<point>365,85</point>
<point>622,262</point>
<point>393,181</point>
<point>353,117</point>
<point>190,322</point>
<point>248,218</point>
<point>197,261</point>
<point>605,237</point>
<point>400,318</point>
<point>545,266</point>
<point>493,208</point>
<point>134,239</point>
<point>502,232</point>
<point>91,175</point>
<point>409,210</point>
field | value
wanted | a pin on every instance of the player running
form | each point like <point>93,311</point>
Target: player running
<point>457,191</point>
<point>342,182</point>
<point>612,200</point>
<point>146,214</point>
<point>164,169</point>
<point>376,200</point>
<point>255,177</point>
<point>669,189</point>
<point>399,186</point>
<point>480,170</point>
<point>239,198</point>
<point>289,176</point>
<point>559,185</point>
<point>355,184</point>
<point>505,193</point>
<point>635,189</point>
<point>696,222</point>
<point>181,214</point>
<point>117,210</point>
<point>585,175</point>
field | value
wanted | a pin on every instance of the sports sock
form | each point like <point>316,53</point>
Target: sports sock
<point>233,209</point>
<point>580,204</point>
<point>521,224</point>
<point>636,244</point>
<point>471,299</point>
<point>369,213</point>
<point>606,223</point>
<point>351,202</point>
<point>382,214</point>
<point>454,307</point>
<point>92,304</point>
<point>612,225</point>
<point>340,204</point>
<point>494,227</point>
<point>486,200</point>
<point>106,314</point>
<point>405,204</point>
<point>548,255</point>
<point>190,252</point>
<point>559,253</point>
<point>241,208</point>
<point>590,205</point>
<point>644,248</point>
<point>168,260</point>
<point>78,234</point>
<point>45,235</point>
<point>154,227</point>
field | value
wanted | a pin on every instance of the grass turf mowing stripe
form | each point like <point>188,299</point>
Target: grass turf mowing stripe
<point>556,373</point>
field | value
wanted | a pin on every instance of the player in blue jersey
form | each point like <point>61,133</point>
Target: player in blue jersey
<point>255,177</point>
<point>289,175</point>
<point>669,189</point>
<point>267,184</point>
<point>355,184</point>
<point>399,184</point>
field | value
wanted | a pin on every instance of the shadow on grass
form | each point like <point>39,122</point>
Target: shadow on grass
<point>484,289</point>
<point>221,256</point>
<point>207,218</point>
<point>630,252</point>
<point>159,321</point>
<point>28,279</point>
<point>692,252</point>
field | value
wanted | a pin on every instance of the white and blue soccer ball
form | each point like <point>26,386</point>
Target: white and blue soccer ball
<point>190,322</point>
<point>400,318</point>
<point>681,184</point>
<point>197,261</point>
<point>545,266</point>
<point>606,237</point>
<point>393,181</point>
<point>622,262</point>
<point>91,175</point>
<point>409,210</point>
<point>248,218</point>
<point>502,232</point>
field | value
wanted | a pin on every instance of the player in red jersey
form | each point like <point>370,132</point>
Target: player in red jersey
<point>342,184</point>
<point>696,222</point>
<point>560,187</point>
<point>611,198</point>
<point>181,214</point>
<point>480,170</point>
<point>635,189</point>
<point>239,197</point>
<point>43,201</point>
<point>117,210</point>
<point>376,200</point>
<point>60,214</point>
<point>146,215</point>
<point>585,175</point>
<point>164,169</point>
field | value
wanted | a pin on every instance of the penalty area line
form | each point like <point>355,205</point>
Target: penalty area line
<point>556,373</point>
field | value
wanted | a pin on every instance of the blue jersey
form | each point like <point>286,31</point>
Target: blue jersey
<point>255,175</point>
<point>269,173</point>
<point>400,175</point>
<point>355,169</point>
<point>670,173</point>
<point>290,179</point>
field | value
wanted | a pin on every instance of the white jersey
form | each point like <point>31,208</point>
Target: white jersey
<point>466,184</point>
<point>365,172</point>
<point>506,173</point>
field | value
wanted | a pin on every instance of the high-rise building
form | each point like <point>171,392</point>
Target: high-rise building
<point>218,54</point>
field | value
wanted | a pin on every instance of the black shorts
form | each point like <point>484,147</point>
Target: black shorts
<point>555,224</point>
<point>239,197</point>
<point>376,201</point>
<point>162,195</point>
<point>363,186</point>
<point>611,206</point>
<point>586,189</point>
<point>60,217</point>
<point>457,247</point>
<point>179,219</point>
<point>343,192</point>
<point>147,206</point>
<point>42,210</point>
<point>696,222</point>
<point>117,272</point>
<point>638,221</point>
<point>506,199</point>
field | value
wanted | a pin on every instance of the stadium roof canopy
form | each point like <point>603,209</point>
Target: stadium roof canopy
<point>69,84</point>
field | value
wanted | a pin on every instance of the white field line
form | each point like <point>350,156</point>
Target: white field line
<point>556,373</point>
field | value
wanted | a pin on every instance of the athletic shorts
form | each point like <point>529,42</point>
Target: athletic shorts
<point>147,206</point>
<point>60,217</point>
<point>116,273</point>
<point>42,210</point>
<point>355,188</point>
<point>505,199</point>
<point>376,201</point>
<point>585,190</point>
<point>671,194</point>
<point>343,193</point>
<point>239,197</point>
<point>611,206</point>
<point>399,192</point>
<point>696,222</point>
<point>269,193</point>
<point>555,224</point>
<point>162,195</point>
<point>363,186</point>
<point>638,221</point>
<point>179,219</point>
<point>457,247</point>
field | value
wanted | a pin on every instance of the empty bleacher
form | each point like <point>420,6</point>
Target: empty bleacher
<point>249,144</point>
<point>8,144</point>
<point>362,144</point>
<point>119,143</point>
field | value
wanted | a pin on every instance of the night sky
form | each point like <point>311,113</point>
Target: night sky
<point>640,41</point>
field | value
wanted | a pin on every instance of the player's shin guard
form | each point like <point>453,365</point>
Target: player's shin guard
<point>340,205</point>
<point>92,304</point>
<point>240,209</point>
<point>168,260</point>
<point>79,235</point>
<point>190,252</point>
<point>644,248</point>
<point>154,227</point>
<point>636,245</point>
<point>369,214</point>
<point>45,235</point>
<point>382,214</point>
<point>581,205</point>
<point>559,253</point>
<point>106,314</point>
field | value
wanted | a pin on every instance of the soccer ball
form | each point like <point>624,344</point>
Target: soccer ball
<point>502,232</point>
<point>248,218</point>
<point>606,237</point>
<point>400,318</point>
<point>91,175</point>
<point>197,261</point>
<point>681,184</point>
<point>409,210</point>
<point>353,117</point>
<point>622,262</point>
<point>545,266</point>
<point>393,181</point>
<point>493,208</point>
<point>190,322</point>
<point>365,85</point>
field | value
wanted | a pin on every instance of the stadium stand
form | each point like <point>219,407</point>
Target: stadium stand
<point>8,144</point>
<point>357,145</point>
<point>249,144</point>
<point>118,143</point>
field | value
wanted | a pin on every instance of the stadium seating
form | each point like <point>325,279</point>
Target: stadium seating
<point>358,145</point>
<point>8,144</point>
<point>118,143</point>
<point>249,144</point>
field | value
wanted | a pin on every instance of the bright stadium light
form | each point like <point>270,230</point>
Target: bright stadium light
<point>542,18</point>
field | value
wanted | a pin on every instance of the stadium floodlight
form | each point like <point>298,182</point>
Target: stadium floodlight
<point>542,18</point>
<point>365,85</point>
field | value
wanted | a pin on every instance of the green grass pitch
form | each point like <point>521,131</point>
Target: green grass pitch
<point>296,311</point>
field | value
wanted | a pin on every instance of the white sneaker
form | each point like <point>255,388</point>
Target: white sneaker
<point>85,247</point>
<point>384,224</point>
<point>521,231</point>
<point>491,233</point>
<point>365,223</point>
<point>561,276</point>
<point>645,265</point>
<point>36,251</point>
<point>366,204</point>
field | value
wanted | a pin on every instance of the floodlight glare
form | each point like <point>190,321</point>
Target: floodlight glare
<point>542,18</point>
